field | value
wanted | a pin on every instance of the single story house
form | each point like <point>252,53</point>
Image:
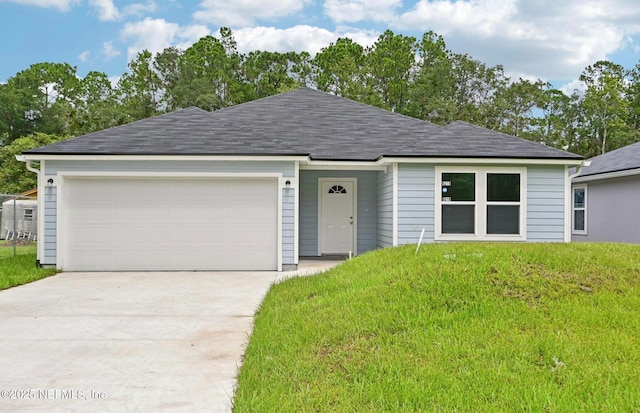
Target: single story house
<point>304,173</point>
<point>606,198</point>
<point>19,215</point>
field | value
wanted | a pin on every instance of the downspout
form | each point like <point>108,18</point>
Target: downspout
<point>20,158</point>
<point>29,167</point>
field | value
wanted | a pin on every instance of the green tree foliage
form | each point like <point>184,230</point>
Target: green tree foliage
<point>419,78</point>
<point>14,177</point>
<point>340,69</point>
<point>210,74</point>
<point>269,73</point>
<point>41,98</point>
<point>633,102</point>
<point>605,108</point>
<point>558,127</point>
<point>98,107</point>
<point>14,105</point>
<point>431,93</point>
<point>389,64</point>
<point>139,88</point>
<point>515,105</point>
<point>168,66</point>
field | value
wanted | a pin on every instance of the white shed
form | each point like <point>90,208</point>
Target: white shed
<point>25,209</point>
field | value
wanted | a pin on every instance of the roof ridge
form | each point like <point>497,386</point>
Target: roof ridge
<point>249,102</point>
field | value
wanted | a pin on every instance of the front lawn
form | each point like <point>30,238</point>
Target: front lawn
<point>457,327</point>
<point>20,269</point>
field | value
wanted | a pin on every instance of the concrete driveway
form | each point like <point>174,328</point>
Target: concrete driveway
<point>128,342</point>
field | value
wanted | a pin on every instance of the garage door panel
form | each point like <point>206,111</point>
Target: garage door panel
<point>167,259</point>
<point>171,224</point>
<point>254,235</point>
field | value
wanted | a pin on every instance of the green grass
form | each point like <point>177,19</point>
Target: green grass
<point>20,269</point>
<point>457,327</point>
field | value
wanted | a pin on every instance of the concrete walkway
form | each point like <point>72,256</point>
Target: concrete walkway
<point>129,342</point>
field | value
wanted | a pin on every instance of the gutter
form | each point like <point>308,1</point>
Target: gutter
<point>608,175</point>
<point>21,158</point>
<point>579,169</point>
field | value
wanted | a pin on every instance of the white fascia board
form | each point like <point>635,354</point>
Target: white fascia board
<point>151,174</point>
<point>37,157</point>
<point>394,208</point>
<point>296,214</point>
<point>568,216</point>
<point>608,175</point>
<point>482,161</point>
<point>342,166</point>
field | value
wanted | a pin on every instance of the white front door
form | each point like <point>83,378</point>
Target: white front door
<point>337,208</point>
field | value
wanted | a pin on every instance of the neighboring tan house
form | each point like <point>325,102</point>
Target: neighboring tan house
<point>258,185</point>
<point>606,198</point>
<point>25,223</point>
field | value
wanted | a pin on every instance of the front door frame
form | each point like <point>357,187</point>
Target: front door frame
<point>354,197</point>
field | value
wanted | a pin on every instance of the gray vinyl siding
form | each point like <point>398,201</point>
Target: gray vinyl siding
<point>385,208</point>
<point>52,167</point>
<point>50,226</point>
<point>288,226</point>
<point>612,210</point>
<point>416,202</point>
<point>367,209</point>
<point>545,203</point>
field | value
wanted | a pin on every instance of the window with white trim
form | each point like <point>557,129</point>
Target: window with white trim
<point>28,214</point>
<point>579,210</point>
<point>480,203</point>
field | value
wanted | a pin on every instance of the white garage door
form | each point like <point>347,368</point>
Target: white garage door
<point>169,224</point>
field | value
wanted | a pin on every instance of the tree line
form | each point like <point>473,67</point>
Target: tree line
<point>420,78</point>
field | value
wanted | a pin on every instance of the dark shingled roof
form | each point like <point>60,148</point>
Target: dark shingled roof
<point>301,122</point>
<point>619,160</point>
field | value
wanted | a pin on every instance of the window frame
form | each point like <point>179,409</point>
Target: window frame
<point>574,209</point>
<point>473,203</point>
<point>481,204</point>
<point>27,216</point>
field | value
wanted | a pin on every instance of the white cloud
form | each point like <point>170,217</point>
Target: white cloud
<point>239,13</point>
<point>139,9</point>
<point>62,5</point>
<point>114,80</point>
<point>109,51</point>
<point>359,10</point>
<point>84,56</point>
<point>574,85</point>
<point>155,35</point>
<point>298,38</point>
<point>107,10</point>
<point>550,39</point>
<point>481,17</point>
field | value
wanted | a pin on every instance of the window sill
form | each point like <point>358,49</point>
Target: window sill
<point>492,238</point>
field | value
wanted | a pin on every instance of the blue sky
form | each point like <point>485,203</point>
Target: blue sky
<point>553,40</point>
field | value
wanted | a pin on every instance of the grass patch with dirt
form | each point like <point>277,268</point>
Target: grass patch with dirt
<point>20,269</point>
<point>458,327</point>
